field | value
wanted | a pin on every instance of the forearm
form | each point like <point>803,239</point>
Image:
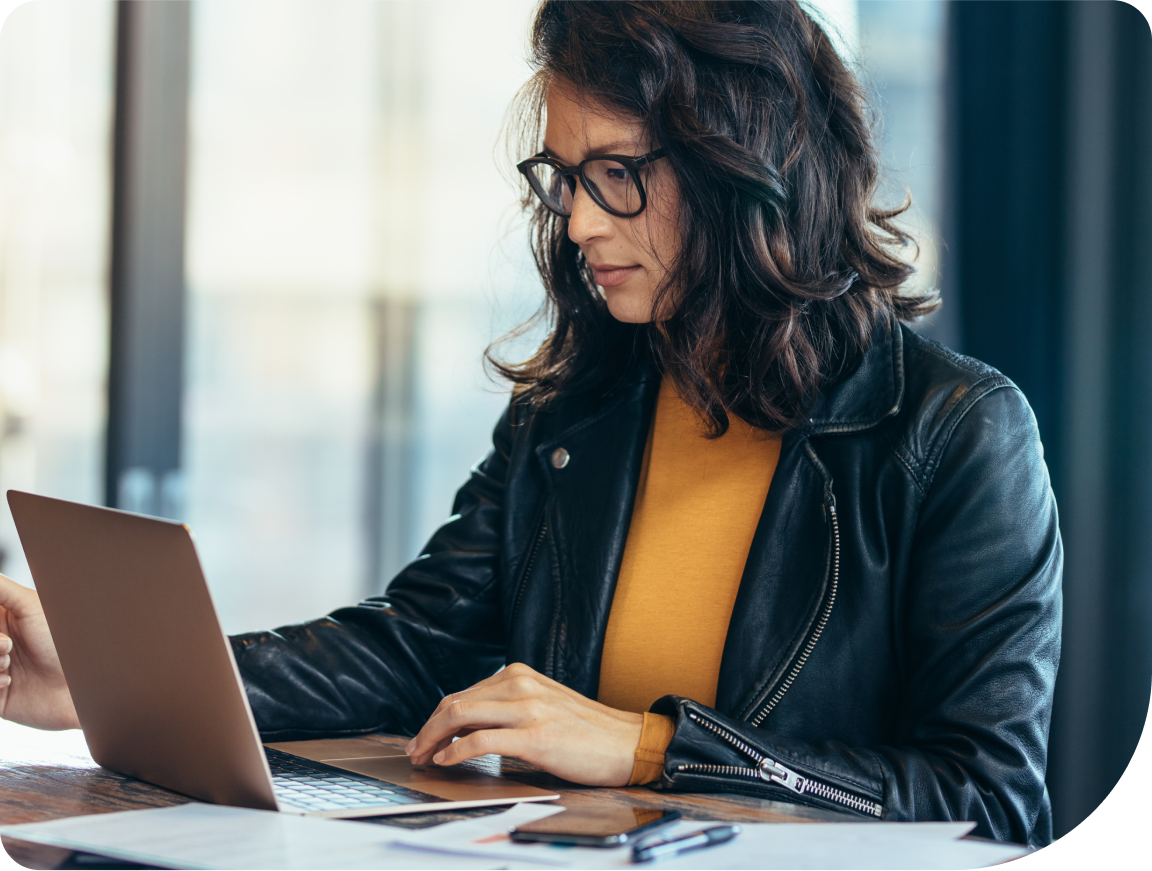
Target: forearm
<point>382,665</point>
<point>347,674</point>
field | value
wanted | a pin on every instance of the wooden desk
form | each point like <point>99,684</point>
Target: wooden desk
<point>49,775</point>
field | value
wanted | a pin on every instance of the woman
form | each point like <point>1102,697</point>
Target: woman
<point>741,530</point>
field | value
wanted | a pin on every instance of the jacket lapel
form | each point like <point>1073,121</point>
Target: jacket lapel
<point>590,511</point>
<point>786,574</point>
<point>783,583</point>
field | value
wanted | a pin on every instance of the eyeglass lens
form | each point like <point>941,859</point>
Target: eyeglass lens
<point>608,182</point>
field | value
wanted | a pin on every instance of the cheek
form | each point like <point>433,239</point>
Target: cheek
<point>663,227</point>
<point>668,239</point>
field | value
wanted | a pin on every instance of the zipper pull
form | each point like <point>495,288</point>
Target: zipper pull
<point>774,772</point>
<point>828,506</point>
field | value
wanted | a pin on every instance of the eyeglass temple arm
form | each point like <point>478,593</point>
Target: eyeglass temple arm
<point>648,158</point>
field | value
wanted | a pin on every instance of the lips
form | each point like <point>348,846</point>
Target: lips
<point>610,275</point>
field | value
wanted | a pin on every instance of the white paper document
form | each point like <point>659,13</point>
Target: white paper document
<point>849,846</point>
<point>203,836</point>
<point>760,845</point>
<point>212,837</point>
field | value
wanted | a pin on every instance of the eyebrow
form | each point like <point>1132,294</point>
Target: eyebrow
<point>617,146</point>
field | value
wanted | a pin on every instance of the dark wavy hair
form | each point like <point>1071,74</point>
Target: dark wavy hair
<point>786,265</point>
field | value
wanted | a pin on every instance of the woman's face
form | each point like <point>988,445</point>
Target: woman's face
<point>629,256</point>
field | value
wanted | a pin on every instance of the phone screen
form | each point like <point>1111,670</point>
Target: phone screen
<point>608,824</point>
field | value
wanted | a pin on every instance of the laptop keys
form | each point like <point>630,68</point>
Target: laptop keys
<point>301,786</point>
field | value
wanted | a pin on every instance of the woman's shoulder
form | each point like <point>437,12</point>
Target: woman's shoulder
<point>933,370</point>
<point>927,362</point>
<point>940,384</point>
<point>949,398</point>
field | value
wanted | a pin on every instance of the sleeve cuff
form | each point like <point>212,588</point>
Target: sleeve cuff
<point>655,737</point>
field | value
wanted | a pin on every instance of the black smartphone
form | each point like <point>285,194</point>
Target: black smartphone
<point>596,827</point>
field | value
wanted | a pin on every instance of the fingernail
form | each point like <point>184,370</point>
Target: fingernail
<point>410,745</point>
<point>5,644</point>
<point>5,680</point>
<point>439,757</point>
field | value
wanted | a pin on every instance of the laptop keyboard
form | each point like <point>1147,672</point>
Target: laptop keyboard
<point>313,786</point>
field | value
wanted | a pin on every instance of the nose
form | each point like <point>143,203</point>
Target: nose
<point>588,221</point>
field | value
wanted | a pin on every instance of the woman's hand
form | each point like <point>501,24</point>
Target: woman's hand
<point>519,712</point>
<point>32,686</point>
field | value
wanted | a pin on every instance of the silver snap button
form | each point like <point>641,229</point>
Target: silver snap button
<point>560,458</point>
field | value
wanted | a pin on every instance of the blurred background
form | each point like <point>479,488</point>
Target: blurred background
<point>251,254</point>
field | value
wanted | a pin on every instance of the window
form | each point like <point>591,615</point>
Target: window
<point>352,248</point>
<point>352,245</point>
<point>56,97</point>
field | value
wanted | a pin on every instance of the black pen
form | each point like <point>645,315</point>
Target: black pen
<point>675,846</point>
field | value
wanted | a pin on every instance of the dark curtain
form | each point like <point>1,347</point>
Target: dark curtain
<point>1048,243</point>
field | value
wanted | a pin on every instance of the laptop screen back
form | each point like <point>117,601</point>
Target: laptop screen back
<point>150,670</point>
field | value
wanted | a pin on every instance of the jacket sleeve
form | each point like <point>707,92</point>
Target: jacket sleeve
<point>981,646</point>
<point>384,664</point>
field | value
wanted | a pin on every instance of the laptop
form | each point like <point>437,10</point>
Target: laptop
<point>158,692</point>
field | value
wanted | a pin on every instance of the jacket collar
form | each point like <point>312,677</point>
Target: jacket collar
<point>872,393</point>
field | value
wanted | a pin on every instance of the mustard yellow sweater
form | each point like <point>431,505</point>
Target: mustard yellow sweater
<point>696,510</point>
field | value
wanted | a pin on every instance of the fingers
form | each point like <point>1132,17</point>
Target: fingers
<point>444,742</point>
<point>515,698</point>
<point>501,678</point>
<point>503,742</point>
<point>518,681</point>
<point>519,712</point>
<point>5,660</point>
<point>464,717</point>
<point>8,587</point>
<point>518,709</point>
<point>14,596</point>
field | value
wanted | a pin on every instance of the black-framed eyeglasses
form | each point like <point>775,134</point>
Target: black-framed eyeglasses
<point>612,180</point>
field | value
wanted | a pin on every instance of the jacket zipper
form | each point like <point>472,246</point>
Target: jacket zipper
<point>528,568</point>
<point>768,769</point>
<point>825,613</point>
<point>771,771</point>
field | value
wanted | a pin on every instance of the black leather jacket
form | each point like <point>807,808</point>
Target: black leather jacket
<point>893,646</point>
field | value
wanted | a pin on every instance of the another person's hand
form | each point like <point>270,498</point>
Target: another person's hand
<point>520,712</point>
<point>32,686</point>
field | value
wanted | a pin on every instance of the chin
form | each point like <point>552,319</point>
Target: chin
<point>626,308</point>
